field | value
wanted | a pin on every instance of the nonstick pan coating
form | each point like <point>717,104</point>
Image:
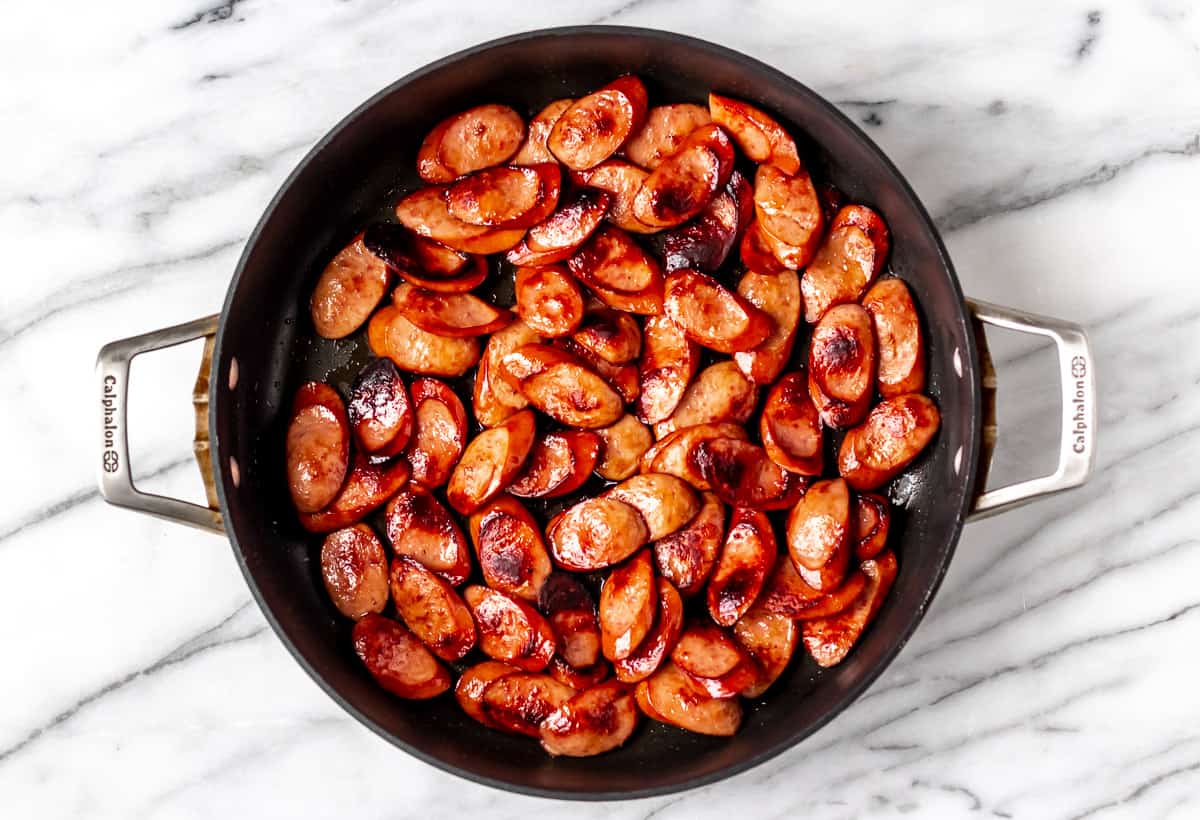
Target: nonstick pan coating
<point>354,176</point>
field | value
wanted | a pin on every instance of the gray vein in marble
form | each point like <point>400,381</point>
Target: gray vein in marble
<point>73,500</point>
<point>95,288</point>
<point>624,8</point>
<point>211,638</point>
<point>214,14</point>
<point>950,788</point>
<point>1089,39</point>
<point>1006,618</point>
<point>1140,790</point>
<point>1009,198</point>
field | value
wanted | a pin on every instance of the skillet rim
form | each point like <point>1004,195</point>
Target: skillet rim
<point>752,67</point>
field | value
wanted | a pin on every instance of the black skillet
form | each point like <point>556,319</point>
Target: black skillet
<point>264,347</point>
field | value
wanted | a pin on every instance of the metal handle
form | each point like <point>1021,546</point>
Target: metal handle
<point>1077,443</point>
<point>116,477</point>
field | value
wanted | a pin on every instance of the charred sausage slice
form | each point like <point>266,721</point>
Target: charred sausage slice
<point>510,548</point>
<point>439,432</point>
<point>747,557</point>
<point>596,126</point>
<point>419,527</point>
<point>510,630</point>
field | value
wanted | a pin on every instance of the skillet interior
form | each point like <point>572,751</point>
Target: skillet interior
<point>353,176</point>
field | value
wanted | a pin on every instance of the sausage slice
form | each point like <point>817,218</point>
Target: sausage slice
<point>788,209</point>
<point>790,427</point>
<point>518,703</point>
<point>350,287</point>
<point>720,393</point>
<point>621,180</point>
<point>419,527</point>
<point>490,462</point>
<point>439,432</point>
<point>494,399</point>
<point>391,334</point>
<point>665,502</point>
<point>562,386</point>
<point>379,410</point>
<point>367,488</point>
<point>818,534</point>
<point>628,601</point>
<point>771,640</point>
<point>671,696</point>
<point>318,446</point>
<point>549,300</point>
<point>509,545</point>
<point>534,150</point>
<point>669,362</point>
<point>478,138</point>
<point>559,464</point>
<point>898,336</point>
<point>592,722</point>
<point>595,126</point>
<point>788,594</point>
<point>354,569</point>
<point>713,316</point>
<point>747,557</point>
<point>847,262</point>
<point>664,132</point>
<point>659,641</point>
<point>596,533</point>
<point>759,135</point>
<point>398,660</point>
<point>472,685</point>
<point>686,558</point>
<point>431,608</point>
<point>622,445</point>
<point>894,434</point>
<point>778,296</point>
<point>829,640</point>
<point>684,183</point>
<point>510,630</point>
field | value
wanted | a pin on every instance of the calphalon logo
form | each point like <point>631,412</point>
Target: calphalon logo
<point>1079,369</point>
<point>110,461</point>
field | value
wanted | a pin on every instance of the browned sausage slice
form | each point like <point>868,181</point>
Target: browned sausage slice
<point>490,462</point>
<point>829,640</point>
<point>778,296</point>
<point>746,559</point>
<point>534,150</point>
<point>758,252</point>
<point>791,428</point>
<point>788,209</point>
<point>841,357</point>
<point>578,642</point>
<point>818,534</point>
<point>354,568</point>
<point>666,502</point>
<point>759,135</point>
<point>391,334</point>
<point>623,445</point>
<point>898,336</point>
<point>509,196</point>
<point>350,287</point>
<point>665,130</point>
<point>685,182</point>
<point>478,138</point>
<point>612,261</point>
<point>686,558</point>
<point>677,454</point>
<point>426,213</point>
<point>671,696</point>
<point>668,364</point>
<point>659,641</point>
<point>419,527</point>
<point>398,660</point>
<point>510,630</point>
<point>510,548</point>
<point>742,475</point>
<point>894,434</point>
<point>379,410</point>
<point>559,464</point>
<point>705,650</point>
<point>720,393</point>
<point>439,432</point>
<point>771,639</point>
<point>592,722</point>
<point>713,316</point>
<point>628,601</point>
<point>704,243</point>
<point>472,685</point>
<point>494,399</point>
<point>872,519</point>
<point>431,608</point>
<point>596,533</point>
<point>562,386</point>
<point>549,300</point>
<point>366,489</point>
<point>621,181</point>
<point>789,595</point>
<point>836,413</point>
<point>471,276</point>
<point>610,334</point>
<point>847,262</point>
<point>518,703</point>
<point>621,377</point>
<point>596,126</point>
<point>412,255</point>
<point>454,315</point>
<point>318,446</point>
<point>576,218</point>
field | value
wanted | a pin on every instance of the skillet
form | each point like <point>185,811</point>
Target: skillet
<point>262,346</point>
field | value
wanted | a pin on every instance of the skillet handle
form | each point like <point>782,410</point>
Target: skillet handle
<point>115,475</point>
<point>1077,445</point>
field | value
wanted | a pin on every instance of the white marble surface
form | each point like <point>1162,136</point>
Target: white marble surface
<point>1056,143</point>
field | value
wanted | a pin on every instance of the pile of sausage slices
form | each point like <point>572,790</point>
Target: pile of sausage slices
<point>645,436</point>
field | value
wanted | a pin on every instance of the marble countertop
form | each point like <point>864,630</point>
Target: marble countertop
<point>1057,145</point>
